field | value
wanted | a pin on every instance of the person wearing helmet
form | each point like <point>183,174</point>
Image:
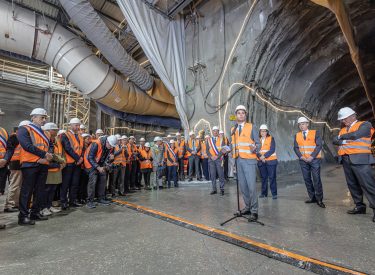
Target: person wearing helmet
<point>158,162</point>
<point>214,145</point>
<point>145,158</point>
<point>171,159</point>
<point>308,146</point>
<point>13,151</point>
<point>226,154</point>
<point>84,179</point>
<point>140,147</point>
<point>36,152</point>
<point>55,166</point>
<point>82,129</point>
<point>99,133</point>
<point>204,158</point>
<point>127,180</point>
<point>267,162</point>
<point>133,158</point>
<point>193,148</point>
<point>95,160</point>
<point>119,168</point>
<point>72,143</point>
<point>180,145</point>
<point>354,141</point>
<point>246,144</point>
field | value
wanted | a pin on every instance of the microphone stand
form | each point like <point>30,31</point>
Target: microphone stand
<point>238,214</point>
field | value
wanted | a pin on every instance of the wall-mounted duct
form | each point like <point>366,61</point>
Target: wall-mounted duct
<point>34,36</point>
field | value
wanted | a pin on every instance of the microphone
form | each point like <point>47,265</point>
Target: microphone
<point>234,129</point>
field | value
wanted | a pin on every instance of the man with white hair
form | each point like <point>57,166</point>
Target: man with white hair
<point>72,143</point>
<point>354,141</point>
<point>193,147</point>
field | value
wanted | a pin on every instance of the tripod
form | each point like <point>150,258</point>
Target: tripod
<point>238,214</point>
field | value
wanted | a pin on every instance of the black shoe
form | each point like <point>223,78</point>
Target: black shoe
<point>253,217</point>
<point>200,179</point>
<point>104,202</point>
<point>38,217</point>
<point>148,188</point>
<point>11,210</point>
<point>357,210</point>
<point>121,194</point>
<point>321,204</point>
<point>25,221</point>
<point>222,192</point>
<point>2,226</point>
<point>213,193</point>
<point>311,201</point>
<point>64,207</point>
<point>161,187</point>
<point>190,180</point>
<point>245,212</point>
<point>75,204</point>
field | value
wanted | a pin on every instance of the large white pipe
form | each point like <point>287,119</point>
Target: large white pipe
<point>24,32</point>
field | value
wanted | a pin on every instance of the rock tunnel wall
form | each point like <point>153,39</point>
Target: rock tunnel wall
<point>292,51</point>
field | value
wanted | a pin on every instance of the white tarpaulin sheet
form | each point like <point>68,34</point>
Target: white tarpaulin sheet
<point>163,42</point>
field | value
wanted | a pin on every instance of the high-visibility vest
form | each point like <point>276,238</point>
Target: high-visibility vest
<point>266,146</point>
<point>17,153</point>
<point>358,146</point>
<point>120,159</point>
<point>170,155</point>
<point>77,146</point>
<point>307,147</point>
<point>203,150</point>
<point>132,149</point>
<point>190,145</point>
<point>144,164</point>
<point>57,150</point>
<point>180,147</point>
<point>3,142</point>
<point>211,147</point>
<point>243,144</point>
<point>97,157</point>
<point>197,141</point>
<point>39,140</point>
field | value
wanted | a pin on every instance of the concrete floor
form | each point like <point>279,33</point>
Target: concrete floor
<point>117,240</point>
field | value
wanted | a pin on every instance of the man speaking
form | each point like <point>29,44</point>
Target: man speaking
<point>245,145</point>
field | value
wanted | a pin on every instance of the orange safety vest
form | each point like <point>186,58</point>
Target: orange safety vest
<point>17,153</point>
<point>266,147</point>
<point>38,140</point>
<point>180,147</point>
<point>203,150</point>
<point>243,144</point>
<point>120,159</point>
<point>132,149</point>
<point>306,147</point>
<point>58,150</point>
<point>169,156</point>
<point>76,145</point>
<point>190,145</point>
<point>219,143</point>
<point>147,162</point>
<point>358,146</point>
<point>97,157</point>
<point>3,142</point>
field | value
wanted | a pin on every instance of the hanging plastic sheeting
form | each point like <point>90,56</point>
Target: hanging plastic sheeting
<point>163,41</point>
<point>149,120</point>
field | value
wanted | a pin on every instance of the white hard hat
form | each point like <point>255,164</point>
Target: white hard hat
<point>50,126</point>
<point>99,131</point>
<point>38,111</point>
<point>157,139</point>
<point>124,137</point>
<point>61,132</point>
<point>147,144</point>
<point>215,128</point>
<point>24,122</point>
<point>345,112</point>
<point>169,136</point>
<point>85,135</point>
<point>263,127</point>
<point>75,121</point>
<point>221,132</point>
<point>178,134</point>
<point>191,133</point>
<point>172,141</point>
<point>132,137</point>
<point>82,126</point>
<point>112,140</point>
<point>117,136</point>
<point>240,107</point>
<point>142,139</point>
<point>302,119</point>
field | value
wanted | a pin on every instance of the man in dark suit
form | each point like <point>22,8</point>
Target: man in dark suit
<point>354,141</point>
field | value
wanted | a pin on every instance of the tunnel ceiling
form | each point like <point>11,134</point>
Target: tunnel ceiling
<point>302,58</point>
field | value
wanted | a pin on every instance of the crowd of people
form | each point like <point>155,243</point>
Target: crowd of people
<point>46,165</point>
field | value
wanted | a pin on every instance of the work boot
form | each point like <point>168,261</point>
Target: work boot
<point>90,205</point>
<point>245,211</point>
<point>25,221</point>
<point>64,207</point>
<point>357,210</point>
<point>253,217</point>
<point>38,217</point>
<point>213,192</point>
<point>321,204</point>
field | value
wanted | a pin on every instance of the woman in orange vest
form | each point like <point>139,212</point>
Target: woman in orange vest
<point>171,158</point>
<point>145,158</point>
<point>308,146</point>
<point>267,162</point>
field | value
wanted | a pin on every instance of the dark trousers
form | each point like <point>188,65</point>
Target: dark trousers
<point>311,176</point>
<point>97,182</point>
<point>33,184</point>
<point>133,174</point>
<point>226,166</point>
<point>49,195</point>
<point>118,179</point>
<point>127,177</point>
<point>194,166</point>
<point>3,179</point>
<point>172,175</point>
<point>268,173</point>
<point>139,175</point>
<point>70,183</point>
<point>216,169</point>
<point>181,173</point>
<point>360,180</point>
<point>84,178</point>
<point>205,169</point>
<point>147,176</point>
